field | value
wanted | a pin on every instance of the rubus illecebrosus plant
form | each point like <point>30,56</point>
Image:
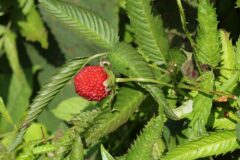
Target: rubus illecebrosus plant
<point>194,110</point>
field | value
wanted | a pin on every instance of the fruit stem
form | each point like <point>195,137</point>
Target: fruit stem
<point>98,55</point>
<point>182,86</point>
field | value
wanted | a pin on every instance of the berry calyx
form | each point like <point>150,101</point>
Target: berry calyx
<point>91,83</point>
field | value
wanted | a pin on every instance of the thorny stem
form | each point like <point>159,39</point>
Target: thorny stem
<point>182,86</point>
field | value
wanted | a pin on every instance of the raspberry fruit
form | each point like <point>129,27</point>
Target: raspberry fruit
<point>91,83</point>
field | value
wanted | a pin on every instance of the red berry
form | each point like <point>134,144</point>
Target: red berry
<point>90,83</point>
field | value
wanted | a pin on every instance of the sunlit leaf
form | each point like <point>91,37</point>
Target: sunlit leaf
<point>105,154</point>
<point>72,106</point>
<point>32,28</point>
<point>214,144</point>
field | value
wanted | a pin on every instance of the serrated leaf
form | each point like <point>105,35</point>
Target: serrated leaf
<point>148,30</point>
<point>158,149</point>
<point>125,59</point>
<point>208,42</point>
<point>127,102</point>
<point>238,130</point>
<point>214,144</point>
<point>64,144</point>
<point>32,28</point>
<point>218,119</point>
<point>4,112</point>
<point>43,149</point>
<point>70,107</point>
<point>105,154</point>
<point>202,105</point>
<point>237,51</point>
<point>77,152</point>
<point>85,119</point>
<point>143,146</point>
<point>228,56</point>
<point>229,84</point>
<point>83,21</point>
<point>26,5</point>
<point>48,92</point>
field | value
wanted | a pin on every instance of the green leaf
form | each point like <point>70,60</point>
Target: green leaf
<point>237,51</point>
<point>202,105</point>
<point>228,57</point>
<point>4,113</point>
<point>36,131</point>
<point>177,58</point>
<point>26,5</point>
<point>143,146</point>
<point>208,42</point>
<point>19,90</point>
<point>125,59</point>
<point>71,44</point>
<point>72,106</point>
<point>185,109</point>
<point>229,82</point>
<point>218,119</point>
<point>32,28</point>
<point>11,51</point>
<point>108,10</point>
<point>48,92</point>
<point>85,119</point>
<point>149,32</point>
<point>105,154</point>
<point>158,149</point>
<point>214,144</point>
<point>77,152</point>
<point>64,145</point>
<point>127,102</point>
<point>238,3</point>
<point>43,149</point>
<point>83,21</point>
<point>238,130</point>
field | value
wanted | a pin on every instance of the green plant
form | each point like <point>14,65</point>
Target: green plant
<point>188,98</point>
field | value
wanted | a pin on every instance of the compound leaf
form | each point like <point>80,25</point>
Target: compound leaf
<point>126,60</point>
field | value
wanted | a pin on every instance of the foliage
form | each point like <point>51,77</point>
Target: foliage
<point>175,91</point>
<point>208,53</point>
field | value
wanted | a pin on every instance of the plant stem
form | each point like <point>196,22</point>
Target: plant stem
<point>228,69</point>
<point>120,80</point>
<point>184,26</point>
<point>182,86</point>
